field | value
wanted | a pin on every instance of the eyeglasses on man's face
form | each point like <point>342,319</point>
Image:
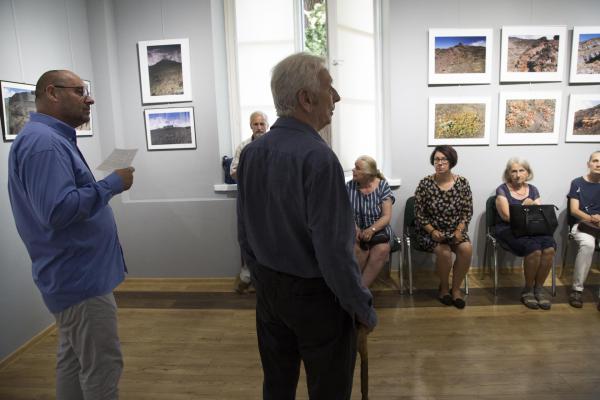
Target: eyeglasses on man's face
<point>440,160</point>
<point>81,91</point>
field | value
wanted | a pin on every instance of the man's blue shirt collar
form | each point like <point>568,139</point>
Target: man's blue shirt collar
<point>60,127</point>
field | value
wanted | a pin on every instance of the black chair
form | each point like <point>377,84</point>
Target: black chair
<point>491,240</point>
<point>410,242</point>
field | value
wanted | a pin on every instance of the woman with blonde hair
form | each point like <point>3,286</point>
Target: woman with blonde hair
<point>537,251</point>
<point>371,199</point>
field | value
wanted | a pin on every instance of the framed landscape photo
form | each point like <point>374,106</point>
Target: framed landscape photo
<point>532,53</point>
<point>170,128</point>
<point>459,121</point>
<point>86,129</point>
<point>18,100</point>
<point>585,54</point>
<point>529,118</point>
<point>458,56</point>
<point>165,71</point>
<point>583,122</point>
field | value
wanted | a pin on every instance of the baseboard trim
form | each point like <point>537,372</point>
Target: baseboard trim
<point>25,346</point>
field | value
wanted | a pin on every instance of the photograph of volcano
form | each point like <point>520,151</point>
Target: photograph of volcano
<point>460,56</point>
<point>585,54</point>
<point>459,121</point>
<point>529,118</point>
<point>165,71</point>
<point>532,53</point>
<point>86,128</point>
<point>584,118</point>
<point>18,100</point>
<point>170,128</point>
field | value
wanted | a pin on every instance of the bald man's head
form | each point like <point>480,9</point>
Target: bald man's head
<point>64,96</point>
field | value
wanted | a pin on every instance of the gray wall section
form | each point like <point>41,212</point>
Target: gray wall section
<point>36,36</point>
<point>554,165</point>
<point>172,223</point>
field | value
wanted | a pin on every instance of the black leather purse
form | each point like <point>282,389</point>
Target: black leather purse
<point>533,220</point>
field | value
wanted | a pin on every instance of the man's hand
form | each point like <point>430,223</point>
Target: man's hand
<point>127,175</point>
<point>595,219</point>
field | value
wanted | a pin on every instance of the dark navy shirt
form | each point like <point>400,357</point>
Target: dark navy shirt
<point>503,190</point>
<point>62,214</point>
<point>294,214</point>
<point>588,194</point>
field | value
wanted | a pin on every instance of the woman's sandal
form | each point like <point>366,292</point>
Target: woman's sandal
<point>528,298</point>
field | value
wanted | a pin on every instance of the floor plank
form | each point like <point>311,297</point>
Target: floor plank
<point>201,344</point>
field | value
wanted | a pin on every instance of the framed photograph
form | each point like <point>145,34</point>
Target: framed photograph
<point>585,54</point>
<point>86,129</point>
<point>165,71</point>
<point>18,100</point>
<point>532,53</point>
<point>170,128</point>
<point>459,121</point>
<point>583,123</point>
<point>529,118</point>
<point>460,56</point>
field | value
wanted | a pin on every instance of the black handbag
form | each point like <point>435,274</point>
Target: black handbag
<point>589,228</point>
<point>533,220</point>
<point>226,164</point>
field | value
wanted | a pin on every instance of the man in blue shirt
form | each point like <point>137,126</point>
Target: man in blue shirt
<point>296,232</point>
<point>63,217</point>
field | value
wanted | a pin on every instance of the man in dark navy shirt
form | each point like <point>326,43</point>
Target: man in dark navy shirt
<point>62,215</point>
<point>296,231</point>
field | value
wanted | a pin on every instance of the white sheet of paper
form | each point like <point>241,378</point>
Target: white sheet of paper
<point>119,158</point>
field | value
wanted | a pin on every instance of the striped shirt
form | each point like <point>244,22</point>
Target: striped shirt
<point>367,207</point>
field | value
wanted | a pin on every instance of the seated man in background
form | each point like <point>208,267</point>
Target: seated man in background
<point>259,124</point>
<point>584,205</point>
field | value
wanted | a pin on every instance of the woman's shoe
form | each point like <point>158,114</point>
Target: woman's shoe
<point>445,299</point>
<point>459,303</point>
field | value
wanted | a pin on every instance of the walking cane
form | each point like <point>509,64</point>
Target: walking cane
<point>364,362</point>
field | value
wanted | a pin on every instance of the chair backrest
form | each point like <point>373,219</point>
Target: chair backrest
<point>409,216</point>
<point>490,213</point>
<point>571,220</point>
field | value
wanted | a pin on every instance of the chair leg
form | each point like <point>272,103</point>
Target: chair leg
<point>410,271</point>
<point>495,265</point>
<point>467,283</point>
<point>401,270</point>
<point>564,258</point>
<point>553,278</point>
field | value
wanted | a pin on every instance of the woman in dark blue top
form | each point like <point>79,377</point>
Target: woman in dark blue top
<point>538,251</point>
<point>371,199</point>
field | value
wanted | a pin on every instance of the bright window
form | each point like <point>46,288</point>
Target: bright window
<point>262,32</point>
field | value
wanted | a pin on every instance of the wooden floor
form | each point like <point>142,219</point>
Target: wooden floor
<point>195,339</point>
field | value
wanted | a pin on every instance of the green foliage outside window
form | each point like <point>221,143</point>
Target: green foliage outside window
<point>316,30</point>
